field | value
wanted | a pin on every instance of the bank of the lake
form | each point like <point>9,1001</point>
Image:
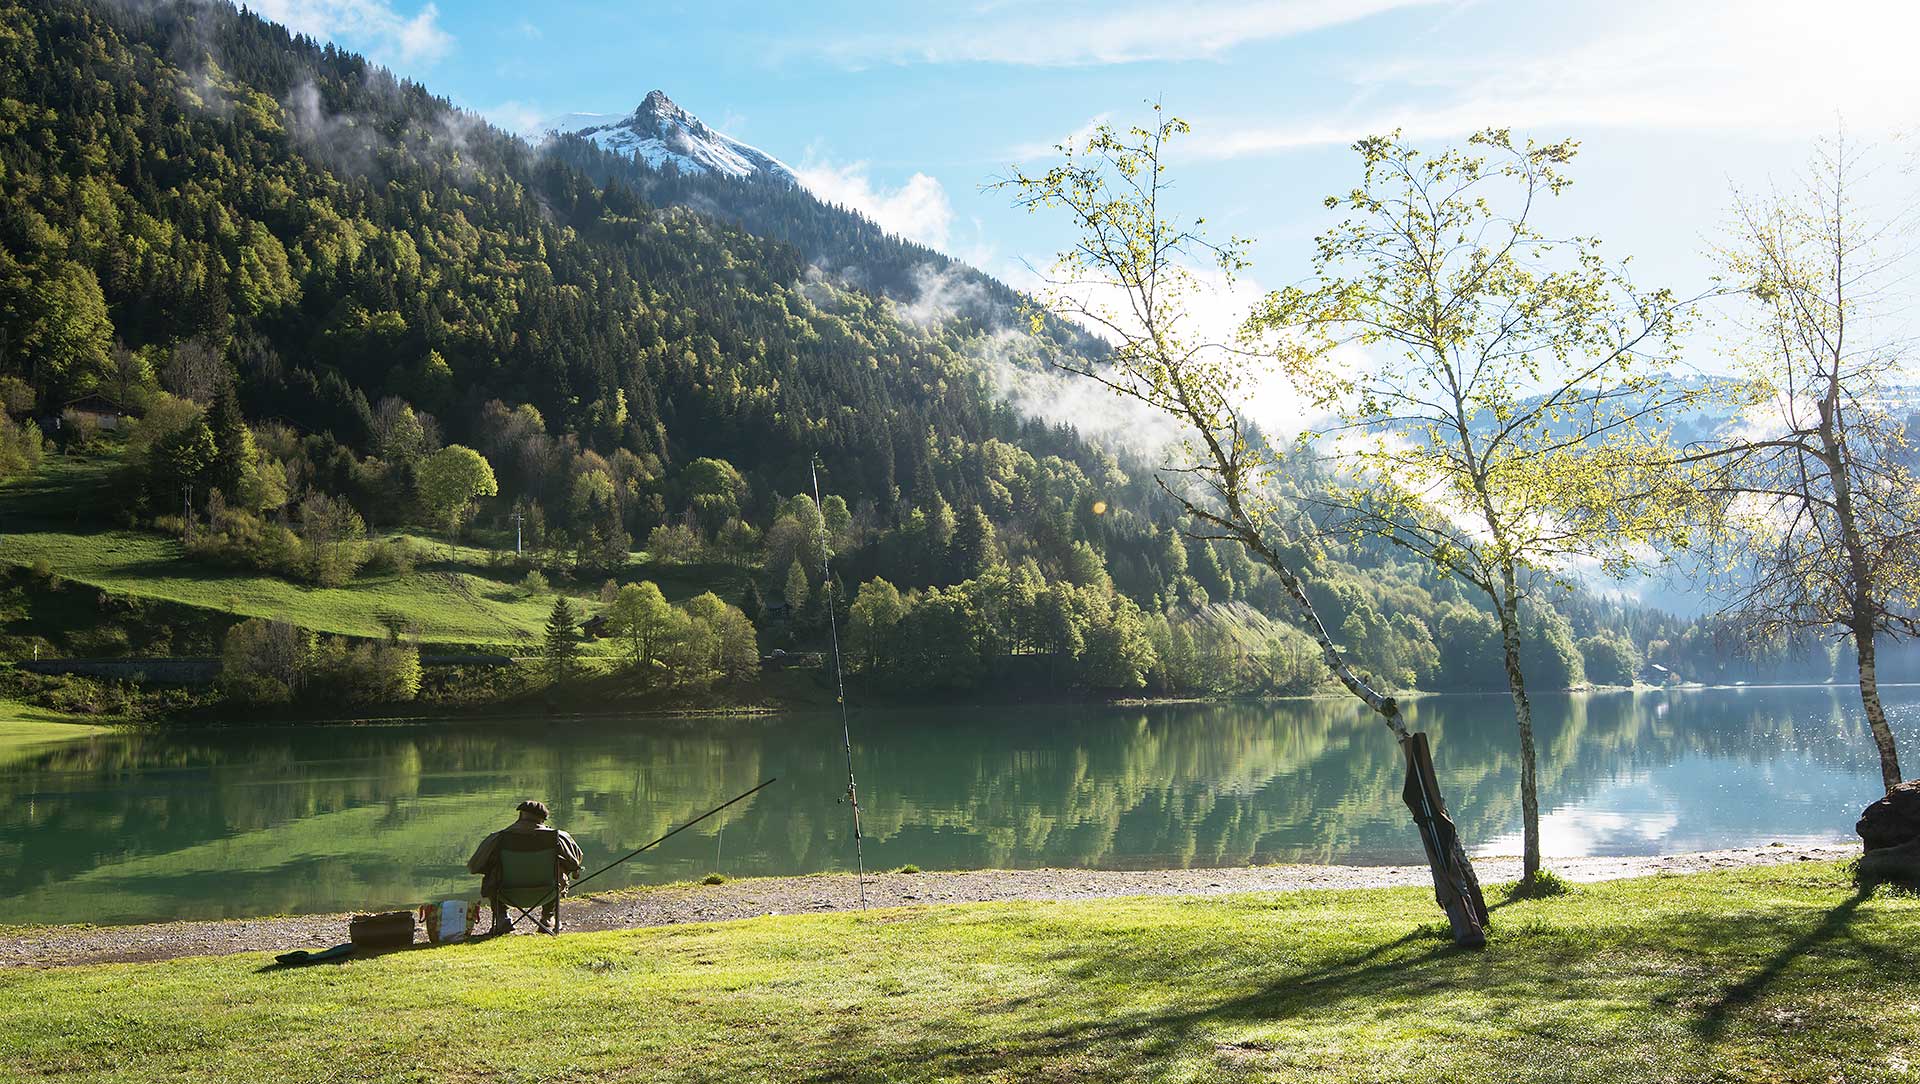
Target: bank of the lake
<point>676,904</point>
<point>1775,973</point>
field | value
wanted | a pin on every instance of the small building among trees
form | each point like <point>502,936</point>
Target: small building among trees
<point>96,409</point>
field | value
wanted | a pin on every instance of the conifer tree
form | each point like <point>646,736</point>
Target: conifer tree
<point>232,442</point>
<point>973,544</point>
<point>796,590</point>
<point>560,647</point>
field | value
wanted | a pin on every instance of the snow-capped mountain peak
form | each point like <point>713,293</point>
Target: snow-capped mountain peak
<point>659,132</point>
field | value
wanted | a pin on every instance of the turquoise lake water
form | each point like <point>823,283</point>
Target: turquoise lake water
<point>137,827</point>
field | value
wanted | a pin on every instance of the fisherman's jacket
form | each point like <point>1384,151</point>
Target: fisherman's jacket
<point>486,857</point>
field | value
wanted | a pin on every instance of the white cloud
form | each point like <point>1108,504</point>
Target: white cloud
<point>1214,308</point>
<point>940,295</point>
<point>1781,67</point>
<point>1060,398</point>
<point>372,25</point>
<point>516,116</point>
<point>917,210</point>
<point>1091,32</point>
<point>1027,152</point>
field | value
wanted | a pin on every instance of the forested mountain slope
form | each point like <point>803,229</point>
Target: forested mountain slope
<point>181,173</point>
<point>305,276</point>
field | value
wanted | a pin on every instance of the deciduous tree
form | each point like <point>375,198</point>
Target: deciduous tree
<point>644,622</point>
<point>1821,489</point>
<point>1131,273</point>
<point>450,479</point>
<point>876,611</point>
<point>1499,392</point>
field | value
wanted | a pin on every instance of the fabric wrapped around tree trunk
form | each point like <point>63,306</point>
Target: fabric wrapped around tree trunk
<point>1454,884</point>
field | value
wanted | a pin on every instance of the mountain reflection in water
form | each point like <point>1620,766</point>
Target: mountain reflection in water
<point>134,827</point>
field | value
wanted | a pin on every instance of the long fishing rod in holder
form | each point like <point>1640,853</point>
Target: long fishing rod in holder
<point>636,852</point>
<point>839,679</point>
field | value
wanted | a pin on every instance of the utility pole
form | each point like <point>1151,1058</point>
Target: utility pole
<point>518,518</point>
<point>186,511</point>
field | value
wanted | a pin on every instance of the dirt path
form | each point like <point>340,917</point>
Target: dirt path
<point>57,946</point>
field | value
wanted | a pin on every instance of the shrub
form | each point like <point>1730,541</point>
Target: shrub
<point>477,684</point>
<point>21,446</point>
<point>78,695</point>
<point>78,431</point>
<point>1542,885</point>
<point>264,661</point>
<point>103,641</point>
<point>393,557</point>
<point>253,689</point>
<point>713,879</point>
<point>366,673</point>
<point>234,536</point>
<point>675,543</point>
<point>533,583</point>
<point>332,540</point>
<point>16,396</point>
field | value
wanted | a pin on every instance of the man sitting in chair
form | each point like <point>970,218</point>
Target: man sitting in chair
<point>529,833</point>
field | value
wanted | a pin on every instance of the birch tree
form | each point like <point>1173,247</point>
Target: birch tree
<point>1822,493</point>
<point>1497,392</point>
<point>1132,273</point>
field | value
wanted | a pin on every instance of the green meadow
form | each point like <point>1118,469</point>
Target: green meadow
<point>25,728</point>
<point>1781,973</point>
<point>59,520</point>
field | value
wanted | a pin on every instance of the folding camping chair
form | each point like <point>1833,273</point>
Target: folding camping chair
<point>530,876</point>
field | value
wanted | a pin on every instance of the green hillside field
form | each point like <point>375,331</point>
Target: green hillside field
<point>54,521</point>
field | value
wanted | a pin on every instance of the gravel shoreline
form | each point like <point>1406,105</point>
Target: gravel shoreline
<point>65,946</point>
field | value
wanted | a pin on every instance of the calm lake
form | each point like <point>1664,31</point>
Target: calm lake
<point>137,827</point>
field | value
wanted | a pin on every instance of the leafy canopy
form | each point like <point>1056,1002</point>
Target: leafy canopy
<point>1500,392</point>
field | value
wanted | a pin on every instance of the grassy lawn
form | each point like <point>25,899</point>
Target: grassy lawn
<point>29,724</point>
<point>26,729</point>
<point>1770,974</point>
<point>32,722</point>
<point>57,516</point>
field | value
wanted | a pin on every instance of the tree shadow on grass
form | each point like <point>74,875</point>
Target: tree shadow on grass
<point>1719,1012</point>
<point>60,496</point>
<point>194,569</point>
<point>1378,971</point>
<point>1518,980</point>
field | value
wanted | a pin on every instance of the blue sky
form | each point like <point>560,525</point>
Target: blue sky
<point>908,110</point>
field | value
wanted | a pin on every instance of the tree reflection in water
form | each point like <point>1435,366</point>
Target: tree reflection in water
<point>129,827</point>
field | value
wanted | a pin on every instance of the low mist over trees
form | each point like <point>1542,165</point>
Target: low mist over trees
<point>333,314</point>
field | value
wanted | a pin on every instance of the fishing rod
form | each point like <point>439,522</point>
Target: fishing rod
<point>839,680</point>
<point>649,846</point>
